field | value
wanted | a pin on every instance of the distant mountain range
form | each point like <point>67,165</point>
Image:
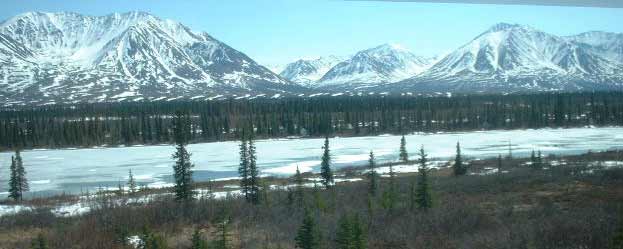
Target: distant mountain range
<point>382,64</point>
<point>308,71</point>
<point>48,58</point>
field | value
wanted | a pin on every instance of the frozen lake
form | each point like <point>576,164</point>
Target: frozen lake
<point>73,170</point>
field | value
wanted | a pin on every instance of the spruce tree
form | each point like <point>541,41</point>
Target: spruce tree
<point>300,195</point>
<point>120,190</point>
<point>424,198</point>
<point>390,195</point>
<point>222,235</point>
<point>325,166</point>
<point>319,201</point>
<point>360,240</point>
<point>372,176</point>
<point>308,235</point>
<point>264,197</point>
<point>14,181</point>
<point>536,162</point>
<point>209,194</point>
<point>131,182</point>
<point>156,241</point>
<point>458,167</point>
<point>404,156</point>
<point>499,164</point>
<point>413,195</point>
<point>122,234</point>
<point>39,242</point>
<point>350,233</point>
<point>254,180</point>
<point>183,167</point>
<point>197,241</point>
<point>21,175</point>
<point>150,240</point>
<point>617,240</point>
<point>243,168</point>
<point>370,205</point>
<point>344,233</point>
<point>18,184</point>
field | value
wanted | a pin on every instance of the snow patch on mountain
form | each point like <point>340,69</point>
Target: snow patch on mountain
<point>308,71</point>
<point>49,55</point>
<point>606,44</point>
<point>511,57</point>
<point>382,64</point>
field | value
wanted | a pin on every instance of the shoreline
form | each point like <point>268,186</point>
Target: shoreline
<point>219,164</point>
<point>289,138</point>
<point>68,205</point>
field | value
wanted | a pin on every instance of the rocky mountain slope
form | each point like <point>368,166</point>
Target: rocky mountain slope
<point>308,71</point>
<point>382,64</point>
<point>68,57</point>
<point>509,58</point>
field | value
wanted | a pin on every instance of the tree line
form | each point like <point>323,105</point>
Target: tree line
<point>112,124</point>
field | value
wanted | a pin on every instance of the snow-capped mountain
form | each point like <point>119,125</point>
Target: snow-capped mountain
<point>54,57</point>
<point>308,71</point>
<point>608,45</point>
<point>11,50</point>
<point>382,64</point>
<point>275,67</point>
<point>511,57</point>
<point>68,57</point>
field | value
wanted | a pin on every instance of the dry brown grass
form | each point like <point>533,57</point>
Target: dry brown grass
<point>472,212</point>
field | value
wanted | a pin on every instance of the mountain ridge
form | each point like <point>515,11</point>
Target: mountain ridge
<point>122,55</point>
<point>308,71</point>
<point>66,57</point>
<point>518,58</point>
<point>381,64</point>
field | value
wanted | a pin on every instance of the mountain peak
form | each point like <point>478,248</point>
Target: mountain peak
<point>39,14</point>
<point>518,54</point>
<point>599,34</point>
<point>381,64</point>
<point>120,55</point>
<point>137,13</point>
<point>507,26</point>
<point>389,47</point>
<point>308,70</point>
<point>504,47</point>
<point>29,15</point>
<point>395,46</point>
<point>606,44</point>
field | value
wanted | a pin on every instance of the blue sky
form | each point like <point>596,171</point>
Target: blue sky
<point>280,31</point>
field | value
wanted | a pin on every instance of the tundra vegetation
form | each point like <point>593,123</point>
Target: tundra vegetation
<point>565,202</point>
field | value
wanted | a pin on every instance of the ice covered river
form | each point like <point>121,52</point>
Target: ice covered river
<point>73,170</point>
